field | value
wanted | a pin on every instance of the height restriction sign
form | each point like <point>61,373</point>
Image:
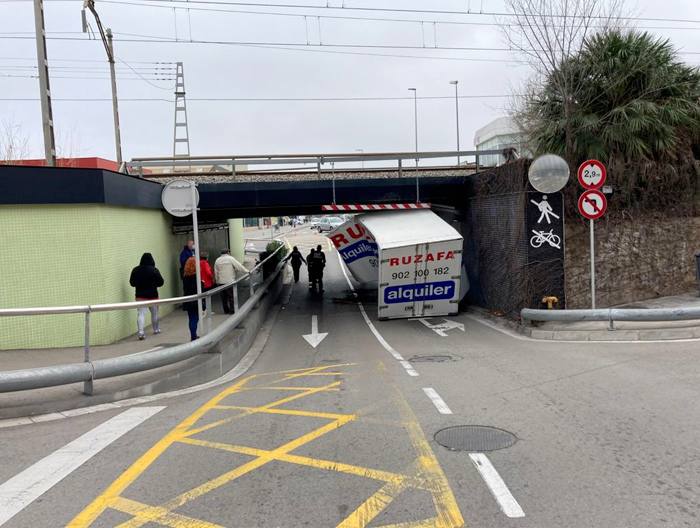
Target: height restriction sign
<point>592,204</point>
<point>591,174</point>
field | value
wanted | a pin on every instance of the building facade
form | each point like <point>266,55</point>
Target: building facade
<point>500,134</point>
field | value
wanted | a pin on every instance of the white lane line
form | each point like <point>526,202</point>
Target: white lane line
<point>409,368</point>
<point>498,488</point>
<point>21,490</point>
<point>437,401</point>
<point>405,364</point>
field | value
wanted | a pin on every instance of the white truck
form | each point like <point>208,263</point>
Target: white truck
<point>415,257</point>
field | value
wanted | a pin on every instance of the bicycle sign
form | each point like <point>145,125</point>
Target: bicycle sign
<point>542,237</point>
<point>592,204</point>
<point>592,174</point>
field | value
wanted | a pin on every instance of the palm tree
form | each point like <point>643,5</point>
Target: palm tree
<point>635,101</point>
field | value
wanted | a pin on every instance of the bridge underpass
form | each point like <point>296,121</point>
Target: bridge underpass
<point>345,433</point>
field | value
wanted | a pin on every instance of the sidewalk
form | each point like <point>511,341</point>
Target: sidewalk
<point>175,332</point>
<point>255,233</point>
<point>624,330</point>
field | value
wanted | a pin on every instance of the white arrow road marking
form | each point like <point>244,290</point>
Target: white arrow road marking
<point>437,401</point>
<point>444,327</point>
<point>314,338</point>
<point>21,490</point>
<point>498,488</point>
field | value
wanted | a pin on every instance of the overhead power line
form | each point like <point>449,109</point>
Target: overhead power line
<point>405,10</point>
<point>152,40</point>
<point>190,7</point>
<point>270,99</point>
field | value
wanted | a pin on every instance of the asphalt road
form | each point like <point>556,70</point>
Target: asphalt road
<point>342,434</point>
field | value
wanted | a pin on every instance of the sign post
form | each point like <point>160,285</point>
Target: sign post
<point>592,205</point>
<point>180,198</point>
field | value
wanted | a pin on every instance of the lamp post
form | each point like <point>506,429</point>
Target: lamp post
<point>362,152</point>
<point>456,85</point>
<point>415,104</point>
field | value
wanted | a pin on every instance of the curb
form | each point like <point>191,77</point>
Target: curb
<point>590,336</point>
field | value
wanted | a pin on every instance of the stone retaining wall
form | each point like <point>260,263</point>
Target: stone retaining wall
<point>636,258</point>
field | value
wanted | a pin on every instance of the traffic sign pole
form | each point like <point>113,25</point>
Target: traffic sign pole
<point>592,232</point>
<point>195,228</point>
<point>592,176</point>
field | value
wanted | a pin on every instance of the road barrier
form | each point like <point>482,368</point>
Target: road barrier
<point>528,315</point>
<point>88,371</point>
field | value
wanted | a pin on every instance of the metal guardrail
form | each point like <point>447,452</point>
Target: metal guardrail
<point>528,315</point>
<point>137,165</point>
<point>43,377</point>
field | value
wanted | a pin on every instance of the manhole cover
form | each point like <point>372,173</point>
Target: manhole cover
<point>430,359</point>
<point>474,438</point>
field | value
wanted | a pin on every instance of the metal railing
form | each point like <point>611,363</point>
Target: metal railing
<point>19,380</point>
<point>610,315</point>
<point>137,165</point>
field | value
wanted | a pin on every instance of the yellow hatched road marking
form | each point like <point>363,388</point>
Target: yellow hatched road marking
<point>155,513</point>
<point>268,406</point>
<point>373,506</point>
<point>424,474</point>
<point>173,520</point>
<point>299,389</point>
<point>329,465</point>
<point>112,493</point>
<point>290,412</point>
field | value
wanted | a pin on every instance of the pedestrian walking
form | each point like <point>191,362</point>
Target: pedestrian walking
<point>207,276</point>
<point>146,279</point>
<point>225,269</point>
<point>185,254</point>
<point>297,258</point>
<point>310,267</point>
<point>189,282</point>
<point>319,264</point>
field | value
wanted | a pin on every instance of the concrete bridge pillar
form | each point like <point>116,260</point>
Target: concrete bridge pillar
<point>236,238</point>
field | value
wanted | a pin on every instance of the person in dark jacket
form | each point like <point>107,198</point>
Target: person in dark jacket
<point>185,254</point>
<point>297,258</point>
<point>146,279</point>
<point>189,282</point>
<point>318,263</point>
<point>310,267</point>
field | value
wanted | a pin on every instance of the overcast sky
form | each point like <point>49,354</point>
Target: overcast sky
<point>236,71</point>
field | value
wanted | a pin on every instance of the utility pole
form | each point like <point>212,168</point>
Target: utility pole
<point>44,87</point>
<point>181,139</point>
<point>415,114</point>
<point>109,48</point>
<point>115,103</point>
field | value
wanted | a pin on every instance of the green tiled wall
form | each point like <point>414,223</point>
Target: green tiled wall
<point>60,255</point>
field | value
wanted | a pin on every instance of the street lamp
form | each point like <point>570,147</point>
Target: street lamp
<point>456,84</point>
<point>363,152</point>
<point>415,104</point>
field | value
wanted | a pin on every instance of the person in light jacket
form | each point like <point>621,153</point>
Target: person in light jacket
<point>225,269</point>
<point>146,279</point>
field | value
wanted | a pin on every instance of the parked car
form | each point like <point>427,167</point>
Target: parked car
<point>314,221</point>
<point>329,223</point>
